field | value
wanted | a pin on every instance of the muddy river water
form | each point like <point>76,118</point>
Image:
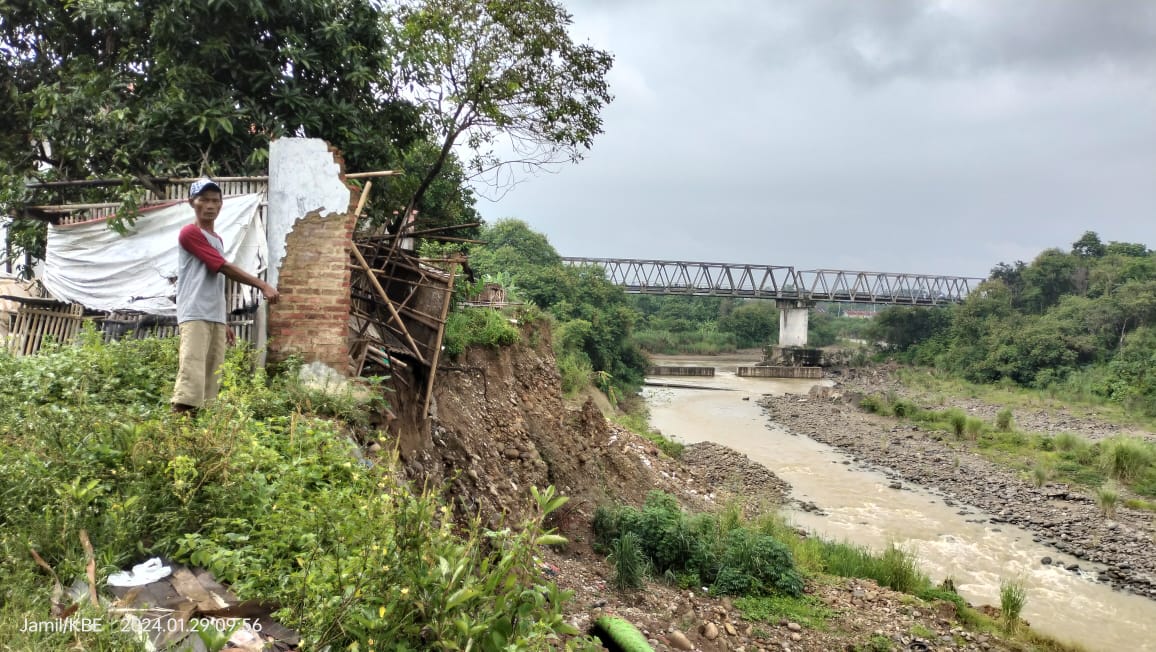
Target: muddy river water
<point>860,507</point>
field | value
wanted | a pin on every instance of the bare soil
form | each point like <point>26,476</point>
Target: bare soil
<point>501,425</point>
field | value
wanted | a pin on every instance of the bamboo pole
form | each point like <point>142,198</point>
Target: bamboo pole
<point>381,173</point>
<point>377,285</point>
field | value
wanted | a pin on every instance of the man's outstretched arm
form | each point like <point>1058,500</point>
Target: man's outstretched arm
<point>241,276</point>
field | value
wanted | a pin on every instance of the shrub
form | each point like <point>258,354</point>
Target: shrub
<point>756,564</point>
<point>905,408</point>
<point>1003,420</point>
<point>1125,458</point>
<point>276,505</point>
<point>477,327</point>
<point>1041,475</point>
<point>575,370</point>
<point>1012,598</point>
<point>876,405</point>
<point>723,552</point>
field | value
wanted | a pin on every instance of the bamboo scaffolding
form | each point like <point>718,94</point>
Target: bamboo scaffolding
<point>377,286</point>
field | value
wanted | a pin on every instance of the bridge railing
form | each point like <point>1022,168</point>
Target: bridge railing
<point>638,276</point>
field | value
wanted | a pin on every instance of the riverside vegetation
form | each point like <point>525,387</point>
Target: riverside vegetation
<point>764,563</point>
<point>1079,325</point>
<point>264,490</point>
<point>1102,467</point>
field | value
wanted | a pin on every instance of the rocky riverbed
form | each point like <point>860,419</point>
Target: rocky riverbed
<point>1060,516</point>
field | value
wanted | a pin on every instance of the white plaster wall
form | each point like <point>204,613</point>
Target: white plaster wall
<point>793,324</point>
<point>303,177</point>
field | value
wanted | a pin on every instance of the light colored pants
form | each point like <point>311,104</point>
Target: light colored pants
<point>202,352</point>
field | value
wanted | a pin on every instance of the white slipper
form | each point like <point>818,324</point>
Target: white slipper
<point>141,574</point>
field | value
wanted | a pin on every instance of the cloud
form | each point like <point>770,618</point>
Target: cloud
<point>872,134</point>
<point>876,41</point>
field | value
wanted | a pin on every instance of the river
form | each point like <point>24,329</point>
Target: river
<point>862,509</point>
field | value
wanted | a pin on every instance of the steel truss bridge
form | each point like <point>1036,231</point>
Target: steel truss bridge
<point>778,282</point>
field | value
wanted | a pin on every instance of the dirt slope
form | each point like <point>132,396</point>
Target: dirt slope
<point>501,425</point>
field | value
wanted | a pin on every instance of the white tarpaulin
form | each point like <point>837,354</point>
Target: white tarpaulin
<point>93,265</point>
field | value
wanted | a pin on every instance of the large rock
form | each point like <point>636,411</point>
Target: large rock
<point>679,641</point>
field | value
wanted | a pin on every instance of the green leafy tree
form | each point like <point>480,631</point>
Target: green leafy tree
<point>902,327</point>
<point>101,88</point>
<point>1131,249</point>
<point>499,73</point>
<point>754,323</point>
<point>157,88</point>
<point>1089,246</point>
<point>596,319</point>
<point>1051,275</point>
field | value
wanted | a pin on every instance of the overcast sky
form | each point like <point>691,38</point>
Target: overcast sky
<point>881,135</point>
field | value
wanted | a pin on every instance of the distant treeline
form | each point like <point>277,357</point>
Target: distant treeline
<point>1082,320</point>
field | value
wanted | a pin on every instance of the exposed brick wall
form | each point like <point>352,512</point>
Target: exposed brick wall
<point>312,318</point>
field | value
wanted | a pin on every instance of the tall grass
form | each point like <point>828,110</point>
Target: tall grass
<point>1004,420</point>
<point>894,568</point>
<point>958,421</point>
<point>1012,598</point>
<point>973,428</point>
<point>1126,458</point>
<point>630,565</point>
<point>1066,441</point>
<point>1106,499</point>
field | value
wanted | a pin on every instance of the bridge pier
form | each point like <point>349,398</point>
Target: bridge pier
<point>794,319</point>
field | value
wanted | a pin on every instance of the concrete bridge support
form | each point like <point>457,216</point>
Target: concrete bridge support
<point>793,323</point>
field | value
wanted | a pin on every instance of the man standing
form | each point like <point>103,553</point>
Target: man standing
<point>201,275</point>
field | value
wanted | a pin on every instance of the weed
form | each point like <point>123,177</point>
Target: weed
<point>877,643</point>
<point>808,611</point>
<point>1004,420</point>
<point>1012,598</point>
<point>1141,504</point>
<point>724,552</point>
<point>477,327</point>
<point>958,421</point>
<point>973,427</point>
<point>1067,441</point>
<point>905,408</point>
<point>922,631</point>
<point>1106,499</point>
<point>1041,475</point>
<point>630,565</point>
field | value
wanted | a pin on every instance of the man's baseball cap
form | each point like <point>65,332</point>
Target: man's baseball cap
<point>201,185</point>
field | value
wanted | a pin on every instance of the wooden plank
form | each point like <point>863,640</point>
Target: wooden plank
<point>437,348</point>
<point>187,585</point>
<point>210,584</point>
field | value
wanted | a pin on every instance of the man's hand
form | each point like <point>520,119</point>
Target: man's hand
<point>271,293</point>
<point>230,336</point>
